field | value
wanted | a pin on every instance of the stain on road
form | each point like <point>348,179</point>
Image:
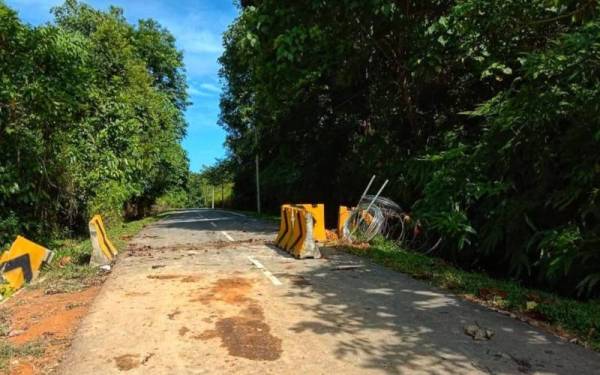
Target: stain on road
<point>127,362</point>
<point>246,335</point>
<point>232,290</point>
<point>183,331</point>
<point>191,279</point>
<point>164,277</point>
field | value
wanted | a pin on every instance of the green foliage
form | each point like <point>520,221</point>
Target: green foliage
<point>77,274</point>
<point>9,351</point>
<point>172,199</point>
<point>217,177</point>
<point>91,119</point>
<point>483,114</point>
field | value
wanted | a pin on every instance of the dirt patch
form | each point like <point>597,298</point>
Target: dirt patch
<point>127,362</point>
<point>164,277</point>
<point>218,245</point>
<point>232,290</point>
<point>147,358</point>
<point>247,338</point>
<point>246,335</point>
<point>296,280</point>
<point>183,331</point>
<point>183,278</point>
<point>207,335</point>
<point>254,311</point>
<point>191,279</point>
<point>174,314</point>
<point>136,294</point>
<point>45,320</point>
<point>23,369</point>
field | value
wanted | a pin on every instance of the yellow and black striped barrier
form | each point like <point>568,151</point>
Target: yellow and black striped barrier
<point>296,232</point>
<point>103,251</point>
<point>22,262</point>
<point>318,213</point>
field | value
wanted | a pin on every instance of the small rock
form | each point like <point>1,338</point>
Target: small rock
<point>105,268</point>
<point>478,333</point>
<point>16,332</point>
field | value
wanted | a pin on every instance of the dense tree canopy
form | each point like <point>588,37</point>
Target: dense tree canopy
<point>91,118</point>
<point>484,114</point>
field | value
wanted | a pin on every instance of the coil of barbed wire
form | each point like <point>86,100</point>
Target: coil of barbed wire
<point>364,223</point>
<point>382,216</point>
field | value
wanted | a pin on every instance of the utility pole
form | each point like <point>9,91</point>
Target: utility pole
<point>257,171</point>
<point>213,197</point>
<point>222,197</point>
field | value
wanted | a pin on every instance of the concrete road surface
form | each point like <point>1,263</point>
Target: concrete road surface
<point>203,292</point>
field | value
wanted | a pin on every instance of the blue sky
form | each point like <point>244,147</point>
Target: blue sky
<point>197,25</point>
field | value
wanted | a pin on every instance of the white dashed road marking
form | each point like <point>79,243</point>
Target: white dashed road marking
<point>265,271</point>
<point>235,213</point>
<point>227,236</point>
<point>213,224</point>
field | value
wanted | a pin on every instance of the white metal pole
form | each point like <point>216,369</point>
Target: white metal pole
<point>377,195</point>
<point>213,197</point>
<point>366,190</point>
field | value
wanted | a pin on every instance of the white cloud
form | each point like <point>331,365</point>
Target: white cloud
<point>193,91</point>
<point>201,41</point>
<point>210,87</point>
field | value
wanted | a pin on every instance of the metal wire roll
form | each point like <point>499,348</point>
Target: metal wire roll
<point>363,225</point>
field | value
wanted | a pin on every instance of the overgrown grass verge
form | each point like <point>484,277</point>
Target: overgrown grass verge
<point>565,316</point>
<point>9,351</point>
<point>70,270</point>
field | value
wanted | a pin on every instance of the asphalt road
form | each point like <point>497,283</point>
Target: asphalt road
<point>203,292</point>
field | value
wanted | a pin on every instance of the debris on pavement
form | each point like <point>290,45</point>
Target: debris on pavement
<point>105,268</point>
<point>478,333</point>
<point>347,267</point>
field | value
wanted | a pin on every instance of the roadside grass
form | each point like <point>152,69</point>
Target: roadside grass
<point>567,317</point>
<point>70,270</point>
<point>9,351</point>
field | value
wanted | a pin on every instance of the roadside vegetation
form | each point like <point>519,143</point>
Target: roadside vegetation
<point>91,119</point>
<point>69,273</point>
<point>70,270</point>
<point>484,115</point>
<point>576,320</point>
<point>8,352</point>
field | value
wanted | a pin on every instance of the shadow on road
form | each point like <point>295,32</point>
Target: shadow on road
<point>201,219</point>
<point>390,322</point>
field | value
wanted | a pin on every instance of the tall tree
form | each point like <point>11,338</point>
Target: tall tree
<point>482,113</point>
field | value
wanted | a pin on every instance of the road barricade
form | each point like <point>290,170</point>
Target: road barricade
<point>296,232</point>
<point>103,251</point>
<point>343,215</point>
<point>318,213</point>
<point>22,262</point>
